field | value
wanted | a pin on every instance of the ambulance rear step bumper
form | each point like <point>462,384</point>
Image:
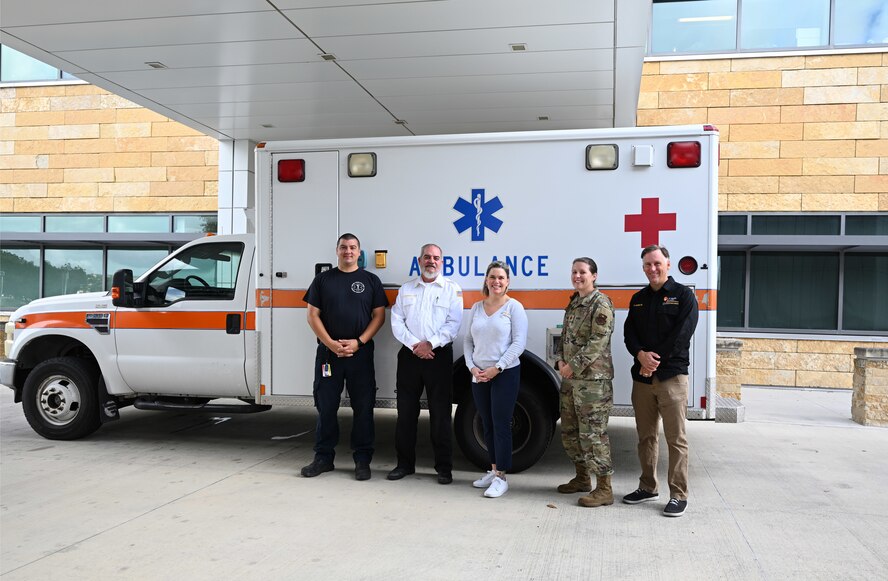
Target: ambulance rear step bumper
<point>182,404</point>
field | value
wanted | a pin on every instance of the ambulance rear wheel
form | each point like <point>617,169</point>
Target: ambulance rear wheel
<point>60,398</point>
<point>532,430</point>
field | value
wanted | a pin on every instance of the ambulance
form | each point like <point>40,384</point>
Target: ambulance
<point>220,325</point>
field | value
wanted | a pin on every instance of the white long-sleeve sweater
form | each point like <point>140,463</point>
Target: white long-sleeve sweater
<point>496,340</point>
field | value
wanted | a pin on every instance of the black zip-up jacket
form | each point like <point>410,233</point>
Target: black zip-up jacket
<point>661,321</point>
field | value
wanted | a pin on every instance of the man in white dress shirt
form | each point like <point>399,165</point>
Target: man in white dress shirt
<point>425,319</point>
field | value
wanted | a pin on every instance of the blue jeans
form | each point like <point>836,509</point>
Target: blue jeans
<point>358,376</point>
<point>495,401</point>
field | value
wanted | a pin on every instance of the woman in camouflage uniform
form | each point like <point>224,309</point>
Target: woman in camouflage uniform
<point>587,394</point>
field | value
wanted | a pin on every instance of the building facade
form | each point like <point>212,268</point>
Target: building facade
<point>803,178</point>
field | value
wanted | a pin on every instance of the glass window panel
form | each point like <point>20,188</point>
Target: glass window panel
<point>865,305</point>
<point>72,270</point>
<point>731,288</point>
<point>203,272</point>
<point>19,277</point>
<point>766,24</point>
<point>195,224</point>
<point>728,225</point>
<point>139,223</point>
<point>139,260</point>
<point>797,225</point>
<point>694,26</point>
<point>20,224</point>
<point>790,290</point>
<point>19,67</point>
<point>867,225</point>
<point>75,223</point>
<point>861,22</point>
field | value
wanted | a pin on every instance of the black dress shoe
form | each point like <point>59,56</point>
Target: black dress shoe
<point>445,477</point>
<point>398,473</point>
<point>362,471</point>
<point>317,467</point>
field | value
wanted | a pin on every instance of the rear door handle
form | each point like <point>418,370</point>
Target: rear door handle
<point>233,323</point>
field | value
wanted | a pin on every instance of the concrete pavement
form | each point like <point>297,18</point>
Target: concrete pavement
<point>795,492</point>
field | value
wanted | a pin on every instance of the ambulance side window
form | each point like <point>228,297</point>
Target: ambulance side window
<point>202,272</point>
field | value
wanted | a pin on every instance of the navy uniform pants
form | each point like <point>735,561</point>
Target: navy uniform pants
<point>358,376</point>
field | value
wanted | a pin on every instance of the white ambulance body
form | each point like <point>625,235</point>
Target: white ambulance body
<point>215,321</point>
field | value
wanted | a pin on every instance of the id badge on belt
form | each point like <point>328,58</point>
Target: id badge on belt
<point>326,371</point>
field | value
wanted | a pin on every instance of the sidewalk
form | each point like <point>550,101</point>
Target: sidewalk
<point>794,492</point>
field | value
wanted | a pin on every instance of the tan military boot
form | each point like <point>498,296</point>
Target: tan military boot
<point>582,482</point>
<point>603,495</point>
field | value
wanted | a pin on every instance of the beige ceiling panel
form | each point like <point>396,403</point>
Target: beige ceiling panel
<point>332,90</point>
<point>373,18</point>
<point>223,76</point>
<point>507,114</point>
<point>483,101</point>
<point>420,128</point>
<point>18,12</point>
<point>538,39</point>
<point>600,61</point>
<point>177,30</point>
<point>196,55</point>
<point>334,105</point>
<point>455,85</point>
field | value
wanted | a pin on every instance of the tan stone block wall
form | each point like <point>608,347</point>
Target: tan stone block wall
<point>798,133</point>
<point>798,362</point>
<point>78,148</point>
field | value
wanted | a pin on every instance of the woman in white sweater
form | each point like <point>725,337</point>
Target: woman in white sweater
<point>496,337</point>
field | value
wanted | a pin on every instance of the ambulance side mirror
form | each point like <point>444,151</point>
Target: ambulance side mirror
<point>122,292</point>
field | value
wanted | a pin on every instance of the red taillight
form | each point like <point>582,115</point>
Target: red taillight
<point>291,170</point>
<point>703,401</point>
<point>687,265</point>
<point>683,154</point>
<point>710,128</point>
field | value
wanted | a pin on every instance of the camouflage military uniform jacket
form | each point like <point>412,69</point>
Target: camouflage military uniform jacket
<point>586,336</point>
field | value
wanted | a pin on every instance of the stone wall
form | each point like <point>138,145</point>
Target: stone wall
<point>798,133</point>
<point>869,401</point>
<point>799,362</point>
<point>78,148</point>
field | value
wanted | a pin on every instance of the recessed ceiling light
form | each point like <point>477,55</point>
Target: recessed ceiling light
<point>400,122</point>
<point>328,57</point>
<point>267,125</point>
<point>156,65</point>
<point>518,47</point>
<point>543,117</point>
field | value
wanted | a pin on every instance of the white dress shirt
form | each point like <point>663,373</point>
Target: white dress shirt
<point>427,311</point>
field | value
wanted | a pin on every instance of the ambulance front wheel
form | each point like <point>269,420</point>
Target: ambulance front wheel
<point>60,398</point>
<point>532,430</point>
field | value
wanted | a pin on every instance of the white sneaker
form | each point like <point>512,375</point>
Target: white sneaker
<point>485,480</point>
<point>497,488</point>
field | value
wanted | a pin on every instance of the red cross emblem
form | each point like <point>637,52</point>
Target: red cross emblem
<point>650,222</point>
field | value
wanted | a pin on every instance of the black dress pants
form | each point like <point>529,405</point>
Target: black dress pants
<point>436,375</point>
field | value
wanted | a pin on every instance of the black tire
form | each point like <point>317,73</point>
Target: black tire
<point>532,428</point>
<point>60,398</point>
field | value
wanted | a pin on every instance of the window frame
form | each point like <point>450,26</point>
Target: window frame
<point>831,46</point>
<point>763,243</point>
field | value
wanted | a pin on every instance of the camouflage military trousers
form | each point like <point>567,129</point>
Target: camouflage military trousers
<point>585,410</point>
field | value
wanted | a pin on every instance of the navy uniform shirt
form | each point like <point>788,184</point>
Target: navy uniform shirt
<point>346,300</point>
<point>662,321</point>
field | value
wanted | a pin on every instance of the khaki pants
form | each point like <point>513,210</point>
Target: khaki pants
<point>667,399</point>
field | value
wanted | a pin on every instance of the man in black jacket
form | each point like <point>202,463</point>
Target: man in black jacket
<point>662,317</point>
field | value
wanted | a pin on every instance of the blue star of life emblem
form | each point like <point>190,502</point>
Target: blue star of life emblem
<point>478,214</point>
